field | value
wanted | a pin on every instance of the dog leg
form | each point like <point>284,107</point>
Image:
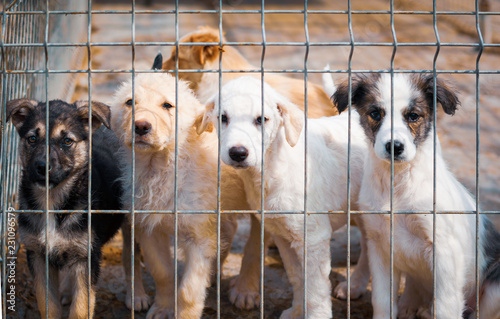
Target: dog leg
<point>36,264</point>
<point>229,226</point>
<point>318,270</point>
<point>141,300</point>
<point>244,292</point>
<point>360,276</point>
<point>381,287</point>
<point>200,253</point>
<point>156,252</point>
<point>83,304</point>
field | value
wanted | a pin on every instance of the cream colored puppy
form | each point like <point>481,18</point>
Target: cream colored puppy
<point>155,128</point>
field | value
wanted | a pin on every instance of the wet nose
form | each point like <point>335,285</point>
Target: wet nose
<point>238,153</point>
<point>398,148</point>
<point>40,167</point>
<point>142,127</point>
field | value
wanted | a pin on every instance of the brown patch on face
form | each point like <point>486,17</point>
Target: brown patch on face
<point>419,118</point>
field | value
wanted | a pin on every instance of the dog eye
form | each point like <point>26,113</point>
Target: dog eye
<point>68,141</point>
<point>32,139</point>
<point>167,106</point>
<point>375,115</point>
<point>258,120</point>
<point>413,117</point>
<point>223,118</point>
<point>129,102</point>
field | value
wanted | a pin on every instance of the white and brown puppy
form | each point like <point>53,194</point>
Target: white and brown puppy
<point>414,243</point>
<point>283,141</point>
<point>155,130</point>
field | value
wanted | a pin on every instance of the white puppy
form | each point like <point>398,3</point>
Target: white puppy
<point>155,129</point>
<point>327,138</point>
<point>455,240</point>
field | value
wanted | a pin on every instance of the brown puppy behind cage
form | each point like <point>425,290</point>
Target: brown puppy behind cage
<point>66,233</point>
<point>156,126</point>
<point>206,57</point>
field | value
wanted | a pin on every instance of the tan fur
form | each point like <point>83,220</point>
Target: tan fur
<point>207,57</point>
<point>154,189</point>
<point>80,306</point>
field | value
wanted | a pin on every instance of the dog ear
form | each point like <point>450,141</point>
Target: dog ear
<point>446,96</point>
<point>18,111</point>
<point>101,114</point>
<point>358,90</point>
<point>157,62</point>
<point>205,53</point>
<point>202,122</point>
<point>293,121</point>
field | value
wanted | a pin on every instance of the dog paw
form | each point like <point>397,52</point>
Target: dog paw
<point>291,313</point>
<point>340,291</point>
<point>424,313</point>
<point>243,296</point>
<point>158,312</point>
<point>141,301</point>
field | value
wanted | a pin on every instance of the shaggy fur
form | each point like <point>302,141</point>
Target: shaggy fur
<point>68,181</point>
<point>241,144</point>
<point>455,240</point>
<point>207,84</point>
<point>155,129</point>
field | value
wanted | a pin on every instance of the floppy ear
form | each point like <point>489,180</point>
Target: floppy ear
<point>445,95</point>
<point>203,123</point>
<point>205,53</point>
<point>157,62</point>
<point>293,121</point>
<point>101,114</point>
<point>18,111</point>
<point>358,90</point>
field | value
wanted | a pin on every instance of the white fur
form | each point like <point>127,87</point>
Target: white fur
<point>284,144</point>
<point>455,239</point>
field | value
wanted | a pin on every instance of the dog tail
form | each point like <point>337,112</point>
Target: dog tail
<point>328,84</point>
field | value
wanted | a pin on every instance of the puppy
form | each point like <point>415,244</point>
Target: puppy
<point>205,85</point>
<point>68,167</point>
<point>413,191</point>
<point>155,130</point>
<point>283,140</point>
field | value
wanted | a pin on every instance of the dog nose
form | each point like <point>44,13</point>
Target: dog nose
<point>398,148</point>
<point>40,167</point>
<point>142,127</point>
<point>238,153</point>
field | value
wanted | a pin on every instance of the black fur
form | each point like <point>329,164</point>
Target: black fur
<point>492,252</point>
<point>66,162</point>
<point>158,62</point>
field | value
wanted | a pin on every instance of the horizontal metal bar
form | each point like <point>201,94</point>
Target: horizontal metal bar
<point>248,212</point>
<point>275,44</point>
<point>101,71</point>
<point>138,12</point>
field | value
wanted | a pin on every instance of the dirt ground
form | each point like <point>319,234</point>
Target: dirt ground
<point>457,134</point>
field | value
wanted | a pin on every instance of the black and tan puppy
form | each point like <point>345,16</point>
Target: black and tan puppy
<point>68,172</point>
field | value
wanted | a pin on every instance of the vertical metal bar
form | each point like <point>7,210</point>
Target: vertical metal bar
<point>89,194</point>
<point>176,160</point>
<point>395,43</point>
<point>47,158</point>
<point>349,70</point>
<point>305,156</point>
<point>132,209</point>
<point>434,103</point>
<point>479,54</point>
<point>2,157</point>
<point>262,184</point>
<point>219,163</point>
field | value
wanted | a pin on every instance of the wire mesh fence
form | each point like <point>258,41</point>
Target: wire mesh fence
<point>88,49</point>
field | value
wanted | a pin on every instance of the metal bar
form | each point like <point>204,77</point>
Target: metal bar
<point>176,161</point>
<point>47,159</point>
<point>434,216</point>
<point>262,181</point>
<point>306,56</point>
<point>3,168</point>
<point>219,162</point>
<point>89,190</point>
<point>479,54</point>
<point>133,168</point>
